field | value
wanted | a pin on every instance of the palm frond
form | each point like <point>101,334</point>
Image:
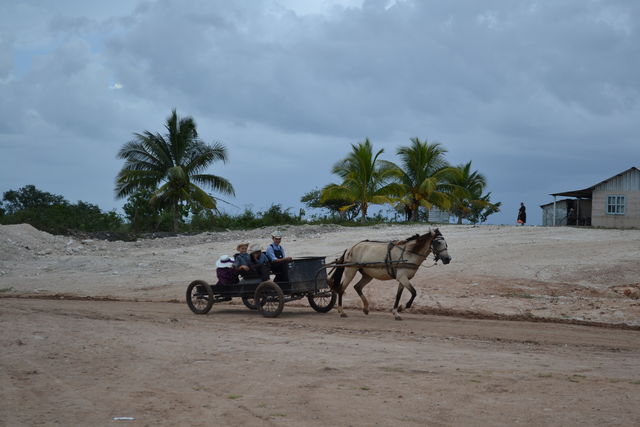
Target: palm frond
<point>217,183</point>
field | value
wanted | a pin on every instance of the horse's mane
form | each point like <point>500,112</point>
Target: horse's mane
<point>421,239</point>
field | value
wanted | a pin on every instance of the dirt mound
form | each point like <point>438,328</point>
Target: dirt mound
<point>21,241</point>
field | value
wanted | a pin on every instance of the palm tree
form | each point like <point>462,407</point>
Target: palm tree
<point>424,176</point>
<point>172,166</point>
<point>472,183</point>
<point>365,179</point>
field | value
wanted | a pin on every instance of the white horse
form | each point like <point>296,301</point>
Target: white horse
<point>397,260</point>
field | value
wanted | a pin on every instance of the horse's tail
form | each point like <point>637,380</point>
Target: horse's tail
<point>336,277</point>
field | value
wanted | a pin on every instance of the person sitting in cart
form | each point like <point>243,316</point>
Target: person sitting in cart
<point>277,257</point>
<point>256,266</point>
<point>241,255</point>
<point>226,271</point>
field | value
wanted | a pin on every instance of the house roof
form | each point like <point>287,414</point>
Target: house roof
<point>586,193</point>
<point>557,202</point>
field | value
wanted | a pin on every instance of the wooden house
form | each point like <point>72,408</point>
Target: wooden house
<point>613,203</point>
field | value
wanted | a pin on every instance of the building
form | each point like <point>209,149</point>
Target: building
<point>439,216</point>
<point>613,203</point>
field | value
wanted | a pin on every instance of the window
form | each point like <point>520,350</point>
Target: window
<point>615,205</point>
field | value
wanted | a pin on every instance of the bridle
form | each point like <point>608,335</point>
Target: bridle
<point>436,253</point>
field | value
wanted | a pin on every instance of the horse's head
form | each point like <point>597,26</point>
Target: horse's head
<point>439,247</point>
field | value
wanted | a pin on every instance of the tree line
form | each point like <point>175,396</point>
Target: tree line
<point>165,184</point>
<point>422,180</point>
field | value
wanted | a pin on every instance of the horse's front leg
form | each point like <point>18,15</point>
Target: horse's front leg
<point>407,284</point>
<point>358,287</point>
<point>346,279</point>
<point>397,309</point>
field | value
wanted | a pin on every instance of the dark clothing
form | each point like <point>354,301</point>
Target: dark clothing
<point>280,270</point>
<point>522,215</point>
<point>227,276</point>
<point>275,252</point>
<point>241,259</point>
<point>257,267</point>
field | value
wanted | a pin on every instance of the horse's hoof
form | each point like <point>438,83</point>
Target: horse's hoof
<point>398,318</point>
<point>343,314</point>
<point>366,311</point>
<point>400,309</point>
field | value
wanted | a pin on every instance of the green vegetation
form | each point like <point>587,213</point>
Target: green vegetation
<point>53,214</point>
<point>163,177</point>
<point>365,180</point>
<point>423,180</point>
<point>171,166</point>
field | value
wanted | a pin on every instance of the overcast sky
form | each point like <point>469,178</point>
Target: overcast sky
<point>541,96</point>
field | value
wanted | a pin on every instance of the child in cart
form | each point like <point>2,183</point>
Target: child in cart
<point>226,271</point>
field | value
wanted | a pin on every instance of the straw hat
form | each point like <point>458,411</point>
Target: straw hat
<point>277,234</point>
<point>242,244</point>
<point>255,247</point>
<point>225,261</point>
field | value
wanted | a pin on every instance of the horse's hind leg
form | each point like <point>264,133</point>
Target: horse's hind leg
<point>358,287</point>
<point>397,309</point>
<point>346,279</point>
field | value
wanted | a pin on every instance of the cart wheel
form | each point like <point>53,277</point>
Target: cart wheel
<point>250,302</point>
<point>269,299</point>
<point>323,300</point>
<point>199,297</point>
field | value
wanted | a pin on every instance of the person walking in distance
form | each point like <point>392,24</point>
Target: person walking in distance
<point>522,214</point>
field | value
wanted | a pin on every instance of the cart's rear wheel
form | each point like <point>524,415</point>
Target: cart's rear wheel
<point>199,297</point>
<point>322,300</point>
<point>250,302</point>
<point>269,299</point>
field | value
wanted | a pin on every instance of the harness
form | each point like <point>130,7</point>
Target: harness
<point>392,269</point>
<point>392,266</point>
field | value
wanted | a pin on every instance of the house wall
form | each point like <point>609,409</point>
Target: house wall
<point>547,213</point>
<point>628,185</point>
<point>631,217</point>
<point>438,216</point>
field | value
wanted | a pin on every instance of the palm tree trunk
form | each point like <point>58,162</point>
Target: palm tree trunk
<point>363,219</point>
<point>174,217</point>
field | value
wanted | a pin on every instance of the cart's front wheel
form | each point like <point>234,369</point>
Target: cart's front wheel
<point>250,302</point>
<point>269,299</point>
<point>322,300</point>
<point>199,297</point>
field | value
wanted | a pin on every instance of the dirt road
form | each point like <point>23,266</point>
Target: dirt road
<point>87,362</point>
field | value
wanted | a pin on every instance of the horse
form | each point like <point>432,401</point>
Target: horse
<point>397,260</point>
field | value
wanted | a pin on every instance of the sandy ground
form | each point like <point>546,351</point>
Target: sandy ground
<point>73,361</point>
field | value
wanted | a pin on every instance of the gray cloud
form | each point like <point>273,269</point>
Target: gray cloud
<point>534,93</point>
